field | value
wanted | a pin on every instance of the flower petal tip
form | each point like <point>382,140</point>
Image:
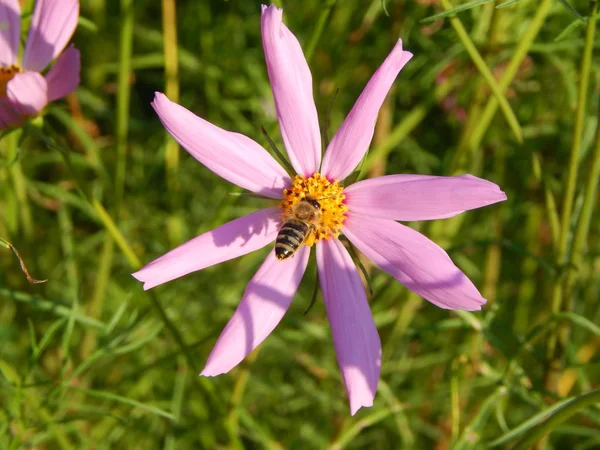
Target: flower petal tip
<point>212,370</point>
<point>139,277</point>
<point>355,406</point>
<point>270,9</point>
<point>158,97</point>
<point>404,55</point>
<point>475,304</point>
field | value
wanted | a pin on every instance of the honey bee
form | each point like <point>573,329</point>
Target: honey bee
<point>303,219</point>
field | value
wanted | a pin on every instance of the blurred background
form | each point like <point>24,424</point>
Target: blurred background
<point>505,90</point>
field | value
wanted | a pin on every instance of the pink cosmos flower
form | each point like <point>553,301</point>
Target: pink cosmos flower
<point>24,91</point>
<point>365,212</point>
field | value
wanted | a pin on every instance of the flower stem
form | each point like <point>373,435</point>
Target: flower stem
<point>583,225</point>
<point>561,288</point>
<point>485,72</point>
<point>19,183</point>
<point>169,22</point>
<point>524,44</point>
<point>318,29</point>
<point>123,97</point>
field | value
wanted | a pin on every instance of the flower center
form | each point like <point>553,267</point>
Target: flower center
<point>330,198</point>
<point>7,74</point>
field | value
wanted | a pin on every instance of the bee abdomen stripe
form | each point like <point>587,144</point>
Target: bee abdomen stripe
<point>286,239</point>
<point>292,232</point>
<point>296,225</point>
<point>287,247</point>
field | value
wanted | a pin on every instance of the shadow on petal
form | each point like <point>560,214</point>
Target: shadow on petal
<point>265,301</point>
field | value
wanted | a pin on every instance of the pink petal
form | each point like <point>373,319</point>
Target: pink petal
<point>63,78</point>
<point>52,25</point>
<point>414,260</point>
<point>10,28</point>
<point>420,197</point>
<point>233,239</point>
<point>28,93</point>
<point>268,296</point>
<point>355,337</point>
<point>291,83</point>
<point>232,156</point>
<point>352,140</point>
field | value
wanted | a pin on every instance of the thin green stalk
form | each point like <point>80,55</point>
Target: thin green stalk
<point>455,398</point>
<point>237,395</point>
<point>123,97</point>
<point>558,417</point>
<point>583,225</point>
<point>318,29</point>
<point>19,184</point>
<point>550,203</point>
<point>116,234</point>
<point>51,306</point>
<point>493,256</point>
<point>479,62</point>
<point>558,339</point>
<point>524,44</point>
<point>169,22</point>
<point>203,381</point>
<point>96,305</point>
<point>177,403</point>
<point>577,136</point>
<point>72,279</point>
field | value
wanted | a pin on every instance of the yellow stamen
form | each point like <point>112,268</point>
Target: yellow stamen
<point>329,195</point>
<point>7,74</point>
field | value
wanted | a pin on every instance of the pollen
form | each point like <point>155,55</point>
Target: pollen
<point>7,74</point>
<point>330,196</point>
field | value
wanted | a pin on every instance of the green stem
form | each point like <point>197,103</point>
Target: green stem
<point>550,203</point>
<point>496,89</point>
<point>52,306</point>
<point>561,415</point>
<point>583,226</point>
<point>116,234</point>
<point>521,51</point>
<point>559,339</point>
<point>72,277</point>
<point>96,306</point>
<point>577,136</point>
<point>318,30</point>
<point>19,183</point>
<point>169,22</point>
<point>123,97</point>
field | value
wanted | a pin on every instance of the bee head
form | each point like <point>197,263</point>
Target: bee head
<point>313,202</point>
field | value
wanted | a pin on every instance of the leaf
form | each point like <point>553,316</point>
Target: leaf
<point>124,400</point>
<point>572,10</point>
<point>479,62</point>
<point>568,30</point>
<point>456,9</point>
<point>557,414</point>
<point>580,320</point>
<point>505,4</point>
<point>528,424</point>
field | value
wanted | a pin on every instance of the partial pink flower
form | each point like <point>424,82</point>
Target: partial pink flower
<point>365,212</point>
<point>24,91</point>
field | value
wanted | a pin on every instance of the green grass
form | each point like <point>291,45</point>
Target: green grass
<point>90,360</point>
